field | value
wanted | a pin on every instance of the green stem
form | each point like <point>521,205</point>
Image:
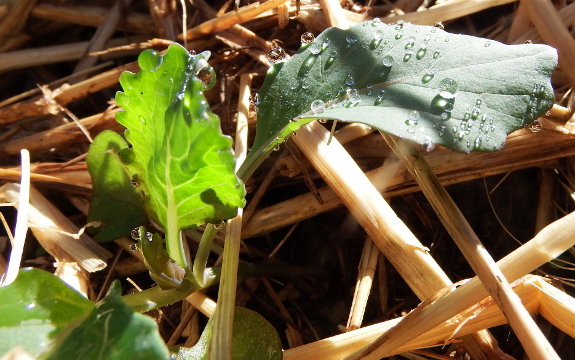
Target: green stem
<point>203,253</point>
<point>155,297</point>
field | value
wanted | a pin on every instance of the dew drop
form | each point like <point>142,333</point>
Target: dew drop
<point>400,23</point>
<point>325,44</point>
<point>142,120</point>
<point>439,25</point>
<point>308,63</point>
<point>380,97</point>
<point>207,75</point>
<point>276,55</point>
<point>478,102</point>
<point>135,234</point>
<point>134,183</point>
<point>149,60</point>
<point>413,118</point>
<point>427,78</point>
<point>448,88</point>
<point>410,42</point>
<point>149,237</point>
<point>398,35</point>
<point>487,43</point>
<point>436,54</point>
<point>477,143</point>
<point>407,56</point>
<point>330,60</point>
<point>323,121</point>
<point>420,53</point>
<point>377,38</point>
<point>528,42</point>
<point>350,39</point>
<point>277,147</point>
<point>317,106</point>
<point>315,48</point>
<point>376,22</point>
<point>387,60</point>
<point>475,113</point>
<point>536,126</point>
<point>349,80</point>
<point>133,247</point>
<point>307,38</point>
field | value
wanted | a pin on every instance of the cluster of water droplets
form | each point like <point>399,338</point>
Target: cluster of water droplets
<point>412,121</point>
<point>537,100</point>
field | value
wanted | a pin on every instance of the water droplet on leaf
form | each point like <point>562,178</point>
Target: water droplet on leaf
<point>387,60</point>
<point>307,38</point>
<point>149,237</point>
<point>135,234</point>
<point>410,42</point>
<point>448,88</point>
<point>317,106</point>
<point>439,25</point>
<point>350,39</point>
<point>330,60</point>
<point>377,38</point>
<point>149,60</point>
<point>420,53</point>
<point>349,80</point>
<point>276,55</point>
<point>413,117</point>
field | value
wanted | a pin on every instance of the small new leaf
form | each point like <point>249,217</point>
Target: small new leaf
<point>163,270</point>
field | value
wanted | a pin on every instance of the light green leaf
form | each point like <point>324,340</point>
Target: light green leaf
<point>417,82</point>
<point>115,202</point>
<point>112,331</point>
<point>35,309</point>
<point>254,338</point>
<point>180,158</point>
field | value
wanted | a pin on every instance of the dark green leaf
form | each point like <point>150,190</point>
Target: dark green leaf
<point>417,82</point>
<point>35,308</point>
<point>183,163</point>
<point>115,202</point>
<point>254,338</point>
<point>112,331</point>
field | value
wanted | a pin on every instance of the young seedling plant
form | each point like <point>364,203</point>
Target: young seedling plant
<point>417,83</point>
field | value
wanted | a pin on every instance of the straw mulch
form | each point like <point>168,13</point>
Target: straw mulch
<point>60,62</point>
